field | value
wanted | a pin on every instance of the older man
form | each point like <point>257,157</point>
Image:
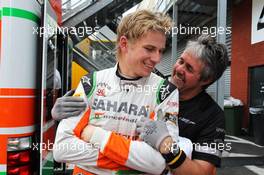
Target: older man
<point>200,118</point>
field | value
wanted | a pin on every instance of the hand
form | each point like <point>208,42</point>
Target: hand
<point>67,106</point>
<point>152,132</point>
<point>87,133</point>
<point>173,130</point>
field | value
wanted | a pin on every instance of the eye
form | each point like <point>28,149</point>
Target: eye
<point>162,51</point>
<point>189,68</point>
<point>149,49</point>
<point>180,61</point>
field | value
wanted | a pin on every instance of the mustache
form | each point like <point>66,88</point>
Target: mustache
<point>179,75</point>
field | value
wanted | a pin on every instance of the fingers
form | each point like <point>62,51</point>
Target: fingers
<point>73,104</point>
<point>70,114</point>
<point>72,99</point>
<point>69,93</point>
<point>139,130</point>
<point>68,106</point>
<point>144,119</point>
<point>73,109</point>
<point>141,123</point>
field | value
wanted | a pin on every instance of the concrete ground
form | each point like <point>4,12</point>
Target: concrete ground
<point>244,158</point>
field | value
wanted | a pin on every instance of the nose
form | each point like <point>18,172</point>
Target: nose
<point>156,57</point>
<point>180,68</point>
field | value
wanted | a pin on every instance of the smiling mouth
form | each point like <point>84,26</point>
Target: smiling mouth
<point>149,66</point>
<point>178,77</point>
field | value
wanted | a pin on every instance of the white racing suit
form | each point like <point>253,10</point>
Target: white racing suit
<point>115,104</point>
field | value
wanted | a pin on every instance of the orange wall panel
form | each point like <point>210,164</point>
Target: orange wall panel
<point>77,73</point>
<point>56,5</point>
<point>244,54</point>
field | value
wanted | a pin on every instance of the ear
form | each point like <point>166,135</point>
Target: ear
<point>205,82</point>
<point>123,43</point>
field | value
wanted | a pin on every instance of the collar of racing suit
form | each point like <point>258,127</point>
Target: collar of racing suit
<point>126,83</point>
<point>122,76</point>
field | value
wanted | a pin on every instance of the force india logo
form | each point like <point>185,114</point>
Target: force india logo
<point>101,89</point>
<point>114,106</point>
<point>100,92</point>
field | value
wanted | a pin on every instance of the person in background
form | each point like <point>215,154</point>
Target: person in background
<point>200,118</point>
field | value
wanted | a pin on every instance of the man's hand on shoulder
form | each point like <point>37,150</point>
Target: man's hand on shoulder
<point>67,106</point>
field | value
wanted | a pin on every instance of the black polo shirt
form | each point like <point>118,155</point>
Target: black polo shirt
<point>202,121</point>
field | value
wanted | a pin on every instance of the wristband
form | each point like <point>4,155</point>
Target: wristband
<point>177,161</point>
<point>174,151</point>
<point>175,157</point>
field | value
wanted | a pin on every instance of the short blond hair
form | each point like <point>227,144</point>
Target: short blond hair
<point>136,24</point>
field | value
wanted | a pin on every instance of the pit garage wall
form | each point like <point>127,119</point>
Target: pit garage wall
<point>244,55</point>
<point>56,5</point>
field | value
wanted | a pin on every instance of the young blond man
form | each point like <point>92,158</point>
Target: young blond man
<point>115,99</point>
